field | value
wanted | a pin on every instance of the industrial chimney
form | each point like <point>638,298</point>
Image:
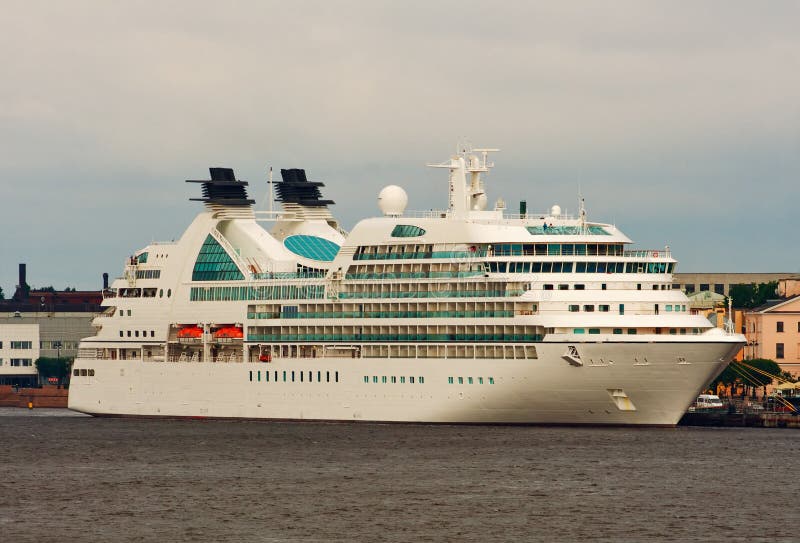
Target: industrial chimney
<point>105,280</point>
<point>21,294</point>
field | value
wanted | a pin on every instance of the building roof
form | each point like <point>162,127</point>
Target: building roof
<point>705,299</point>
<point>772,305</point>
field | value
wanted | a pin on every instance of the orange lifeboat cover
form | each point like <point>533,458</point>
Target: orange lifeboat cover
<point>229,332</point>
<point>191,331</point>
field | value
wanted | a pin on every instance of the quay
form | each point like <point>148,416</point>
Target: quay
<point>752,420</point>
<point>46,396</point>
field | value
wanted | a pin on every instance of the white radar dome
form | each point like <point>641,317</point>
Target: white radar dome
<point>555,211</point>
<point>392,200</point>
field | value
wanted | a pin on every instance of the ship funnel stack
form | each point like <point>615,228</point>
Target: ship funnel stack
<point>225,195</point>
<point>302,197</point>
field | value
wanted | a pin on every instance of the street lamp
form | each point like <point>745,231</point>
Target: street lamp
<point>57,345</point>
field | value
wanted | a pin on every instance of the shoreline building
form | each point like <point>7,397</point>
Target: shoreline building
<point>773,332</point>
<point>721,283</point>
<point>61,320</point>
<point>19,349</point>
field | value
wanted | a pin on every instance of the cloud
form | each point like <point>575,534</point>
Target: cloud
<point>670,110</point>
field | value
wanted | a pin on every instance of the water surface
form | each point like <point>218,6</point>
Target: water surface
<point>76,478</point>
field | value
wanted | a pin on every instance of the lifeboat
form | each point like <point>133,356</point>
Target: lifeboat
<point>190,332</point>
<point>229,332</point>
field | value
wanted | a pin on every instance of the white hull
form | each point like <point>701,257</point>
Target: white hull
<point>547,390</point>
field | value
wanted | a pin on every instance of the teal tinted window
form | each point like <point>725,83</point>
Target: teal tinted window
<point>142,258</point>
<point>567,230</point>
<point>312,247</point>
<point>214,264</point>
<point>407,231</point>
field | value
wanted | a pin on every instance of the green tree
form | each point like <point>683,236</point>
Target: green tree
<point>737,372</point>
<point>752,295</point>
<point>54,367</point>
<point>2,296</point>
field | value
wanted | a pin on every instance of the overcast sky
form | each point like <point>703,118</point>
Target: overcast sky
<point>678,121</point>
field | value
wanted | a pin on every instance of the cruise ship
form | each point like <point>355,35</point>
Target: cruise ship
<point>465,315</point>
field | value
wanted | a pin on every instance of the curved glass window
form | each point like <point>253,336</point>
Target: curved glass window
<point>142,258</point>
<point>407,231</point>
<point>214,264</point>
<point>312,247</point>
<point>567,230</point>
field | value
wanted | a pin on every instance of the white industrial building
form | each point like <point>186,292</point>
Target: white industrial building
<point>19,349</point>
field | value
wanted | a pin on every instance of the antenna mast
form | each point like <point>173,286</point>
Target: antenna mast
<point>271,198</point>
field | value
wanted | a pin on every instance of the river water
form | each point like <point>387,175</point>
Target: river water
<point>65,477</point>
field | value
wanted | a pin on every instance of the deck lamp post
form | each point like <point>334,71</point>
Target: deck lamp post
<point>57,345</point>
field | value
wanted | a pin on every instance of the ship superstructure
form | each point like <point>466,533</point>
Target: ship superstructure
<point>467,314</point>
